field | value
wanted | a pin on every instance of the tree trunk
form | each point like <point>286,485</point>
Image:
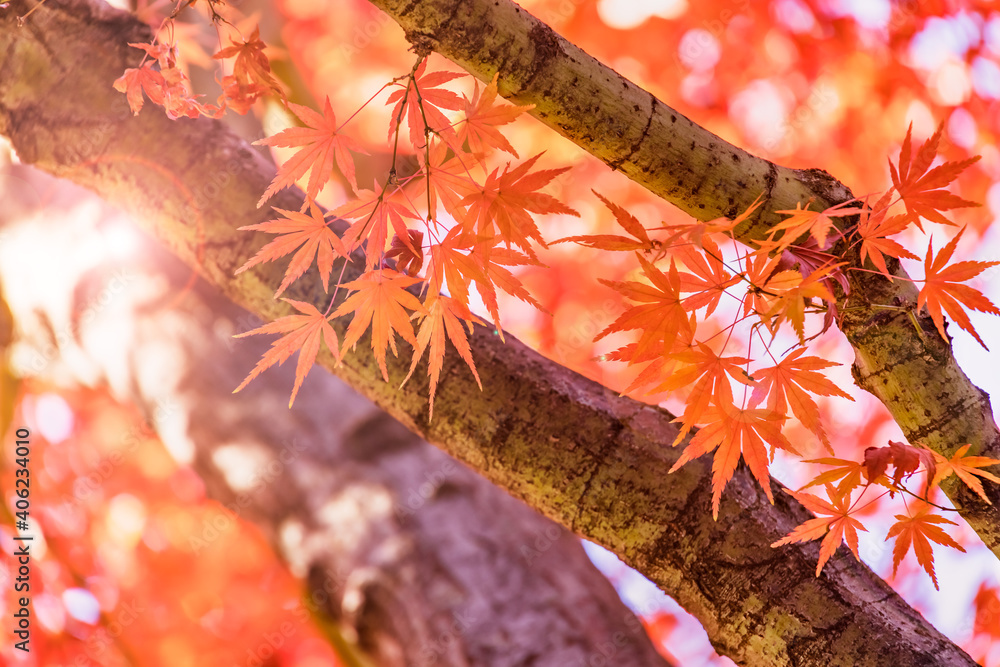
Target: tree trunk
<point>574,450</point>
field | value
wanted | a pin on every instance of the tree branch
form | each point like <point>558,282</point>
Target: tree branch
<point>574,450</point>
<point>428,564</point>
<point>913,372</point>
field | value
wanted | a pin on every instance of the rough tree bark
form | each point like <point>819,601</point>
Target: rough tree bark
<point>572,449</point>
<point>428,564</point>
<point>913,373</point>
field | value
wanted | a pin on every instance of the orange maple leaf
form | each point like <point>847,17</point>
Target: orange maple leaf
<point>966,467</point>
<point>789,292</point>
<point>251,68</point>
<point>942,290</point>
<point>505,200</point>
<point>708,279</point>
<point>873,228</point>
<point>838,526</point>
<point>919,529</point>
<point>374,211</point>
<point>483,115</point>
<point>847,472</point>
<point>696,232</point>
<point>302,333</point>
<point>659,314</point>
<point>708,376</point>
<point>787,383</point>
<point>491,262</point>
<point>448,179</point>
<point>312,232</point>
<point>921,190</point>
<point>734,431</point>
<point>444,315</point>
<point>641,240</point>
<point>380,299</point>
<point>803,221</point>
<point>424,99</point>
<point>757,301</point>
<point>321,143</point>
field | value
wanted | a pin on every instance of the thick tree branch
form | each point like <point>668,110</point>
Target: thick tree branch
<point>912,371</point>
<point>428,564</point>
<point>574,450</point>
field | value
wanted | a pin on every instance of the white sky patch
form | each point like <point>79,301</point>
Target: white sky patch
<point>986,78</point>
<point>699,50</point>
<point>82,605</point>
<point>54,417</point>
<point>628,14</point>
<point>943,39</point>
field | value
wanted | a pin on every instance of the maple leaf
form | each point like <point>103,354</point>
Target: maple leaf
<point>380,299</point>
<point>659,314</point>
<point>641,240</point>
<point>504,201</point>
<point>873,228</point>
<point>444,315</point>
<point>905,458</point>
<point>708,375</point>
<point>310,234</point>
<point>965,467</point>
<point>847,472</point>
<point>790,291</point>
<point>451,264</point>
<point>921,190</point>
<point>409,254</point>
<point>756,300</point>
<point>696,232</point>
<point>838,526</point>
<point>942,290</point>
<point>448,180</point>
<point>709,278</point>
<point>919,529</point>
<point>816,223</point>
<point>735,431</point>
<point>482,116</point>
<point>492,273</point>
<point>303,333</point>
<point>251,68</point>
<point>424,99</point>
<point>320,143</point>
<point>788,383</point>
<point>138,80</point>
<point>374,212</point>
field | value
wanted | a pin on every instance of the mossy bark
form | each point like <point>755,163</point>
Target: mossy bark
<point>572,449</point>
<point>899,356</point>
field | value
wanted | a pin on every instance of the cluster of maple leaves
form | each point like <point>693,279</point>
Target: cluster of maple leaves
<point>425,240</point>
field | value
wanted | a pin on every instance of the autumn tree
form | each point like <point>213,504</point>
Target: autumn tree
<point>787,255</point>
